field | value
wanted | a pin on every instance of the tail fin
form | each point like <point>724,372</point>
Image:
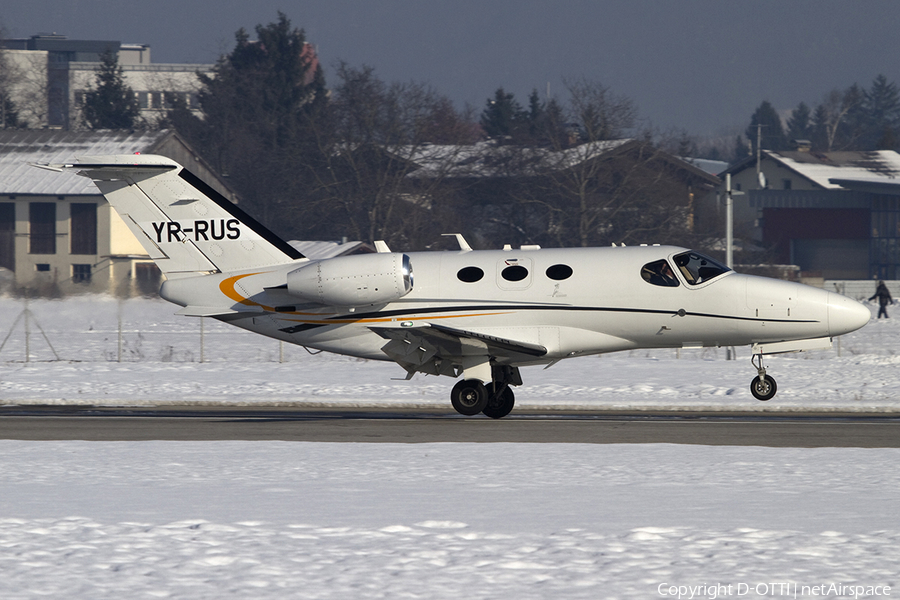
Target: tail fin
<point>184,225</point>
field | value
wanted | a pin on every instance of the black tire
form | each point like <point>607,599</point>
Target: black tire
<point>763,388</point>
<point>499,405</point>
<point>469,397</point>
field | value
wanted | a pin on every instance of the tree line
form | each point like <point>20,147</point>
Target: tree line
<point>855,118</point>
<point>346,160</point>
<point>367,159</point>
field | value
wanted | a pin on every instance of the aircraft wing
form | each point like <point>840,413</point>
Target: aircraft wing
<point>432,348</point>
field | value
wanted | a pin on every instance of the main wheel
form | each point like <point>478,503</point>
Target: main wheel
<point>763,388</point>
<point>469,397</point>
<point>499,405</point>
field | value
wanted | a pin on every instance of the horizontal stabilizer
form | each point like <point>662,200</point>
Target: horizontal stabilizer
<point>205,311</point>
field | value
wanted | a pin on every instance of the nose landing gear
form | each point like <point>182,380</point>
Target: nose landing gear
<point>763,386</point>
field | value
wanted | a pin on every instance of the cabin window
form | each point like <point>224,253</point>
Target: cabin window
<point>470,274</point>
<point>559,272</point>
<point>514,273</point>
<point>659,273</point>
<point>698,268</point>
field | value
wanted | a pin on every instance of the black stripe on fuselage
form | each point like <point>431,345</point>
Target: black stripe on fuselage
<point>410,312</point>
<point>341,320</point>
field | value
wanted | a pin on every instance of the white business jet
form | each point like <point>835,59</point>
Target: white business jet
<point>478,314</point>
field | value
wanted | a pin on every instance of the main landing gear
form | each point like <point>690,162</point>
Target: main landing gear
<point>763,386</point>
<point>496,399</point>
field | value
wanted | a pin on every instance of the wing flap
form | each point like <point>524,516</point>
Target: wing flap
<point>437,349</point>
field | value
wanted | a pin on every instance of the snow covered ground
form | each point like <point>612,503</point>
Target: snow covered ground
<point>317,520</point>
<point>161,364</point>
<point>94,520</point>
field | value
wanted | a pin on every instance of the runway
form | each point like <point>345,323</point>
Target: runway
<point>805,430</point>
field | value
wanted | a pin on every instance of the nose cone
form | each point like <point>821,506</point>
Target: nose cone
<point>845,315</point>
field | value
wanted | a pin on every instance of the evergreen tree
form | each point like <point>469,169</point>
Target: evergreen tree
<point>741,150</point>
<point>111,104</point>
<point>882,110</point>
<point>799,125</point>
<point>820,138</point>
<point>502,115</point>
<point>772,133</point>
<point>257,108</point>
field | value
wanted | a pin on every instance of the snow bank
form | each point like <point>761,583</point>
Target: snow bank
<point>161,356</point>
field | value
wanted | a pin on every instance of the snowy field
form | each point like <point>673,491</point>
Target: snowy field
<point>161,364</point>
<point>97,520</point>
<point>442,521</point>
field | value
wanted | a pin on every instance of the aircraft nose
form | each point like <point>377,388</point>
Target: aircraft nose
<point>845,314</point>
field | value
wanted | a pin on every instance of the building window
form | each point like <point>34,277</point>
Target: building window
<point>8,235</point>
<point>81,273</point>
<point>786,184</point>
<point>83,232</point>
<point>42,227</point>
<point>148,277</point>
<point>42,268</point>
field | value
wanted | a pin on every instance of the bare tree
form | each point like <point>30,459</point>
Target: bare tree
<point>377,139</point>
<point>33,91</point>
<point>831,119</point>
<point>10,75</point>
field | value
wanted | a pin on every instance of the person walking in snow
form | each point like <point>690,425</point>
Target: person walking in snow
<point>884,298</point>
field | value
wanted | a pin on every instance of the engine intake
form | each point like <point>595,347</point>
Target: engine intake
<point>348,281</point>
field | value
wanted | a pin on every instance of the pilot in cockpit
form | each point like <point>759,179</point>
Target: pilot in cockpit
<point>659,273</point>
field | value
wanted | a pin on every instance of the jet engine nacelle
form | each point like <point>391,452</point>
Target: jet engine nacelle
<point>355,280</point>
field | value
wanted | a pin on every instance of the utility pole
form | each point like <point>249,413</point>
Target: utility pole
<point>729,221</point>
<point>758,147</point>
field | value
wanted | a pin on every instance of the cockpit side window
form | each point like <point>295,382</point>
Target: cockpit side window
<point>659,273</point>
<point>698,268</point>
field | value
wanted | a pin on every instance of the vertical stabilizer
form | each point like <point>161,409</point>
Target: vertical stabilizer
<point>185,226</point>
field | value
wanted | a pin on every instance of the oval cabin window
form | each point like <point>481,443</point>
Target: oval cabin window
<point>470,274</point>
<point>559,272</point>
<point>514,273</point>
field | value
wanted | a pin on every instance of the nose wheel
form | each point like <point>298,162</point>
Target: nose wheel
<point>763,386</point>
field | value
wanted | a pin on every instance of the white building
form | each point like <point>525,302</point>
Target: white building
<point>57,232</point>
<point>49,75</point>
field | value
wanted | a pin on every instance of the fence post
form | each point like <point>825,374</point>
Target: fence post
<point>119,341</point>
<point>202,339</point>
<point>27,332</point>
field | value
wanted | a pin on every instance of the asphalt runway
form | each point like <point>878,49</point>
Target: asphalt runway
<point>806,430</point>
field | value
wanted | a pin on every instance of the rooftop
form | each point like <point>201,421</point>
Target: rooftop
<point>20,148</point>
<point>820,167</point>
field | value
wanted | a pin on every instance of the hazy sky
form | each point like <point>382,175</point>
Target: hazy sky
<point>700,65</point>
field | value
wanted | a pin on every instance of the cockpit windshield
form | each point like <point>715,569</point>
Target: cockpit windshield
<point>697,268</point>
